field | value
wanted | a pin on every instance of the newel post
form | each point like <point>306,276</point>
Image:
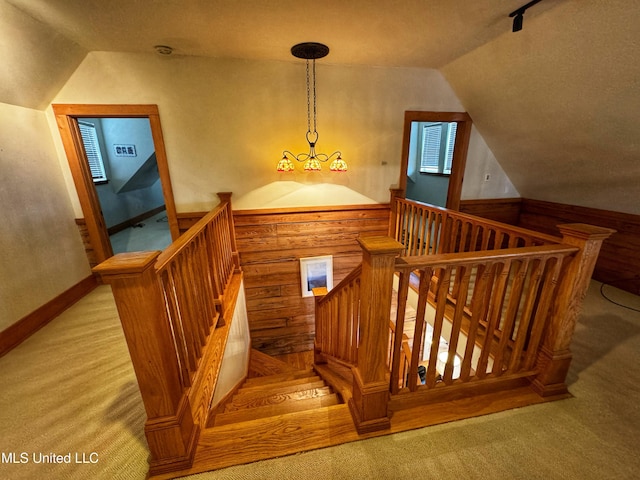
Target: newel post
<point>371,376</point>
<point>170,431</point>
<point>555,356</point>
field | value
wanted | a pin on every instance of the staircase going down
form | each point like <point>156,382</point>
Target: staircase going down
<point>277,394</point>
<point>280,409</point>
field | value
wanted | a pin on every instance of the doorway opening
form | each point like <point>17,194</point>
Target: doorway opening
<point>124,169</point>
<point>119,167</point>
<point>434,155</point>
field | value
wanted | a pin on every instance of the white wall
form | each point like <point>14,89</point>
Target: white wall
<point>480,163</point>
<point>128,131</point>
<point>226,122</point>
<point>41,253</point>
<point>235,361</point>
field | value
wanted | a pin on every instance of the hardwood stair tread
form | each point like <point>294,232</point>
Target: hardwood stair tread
<point>276,389</point>
<point>285,407</point>
<point>274,397</point>
<point>339,378</point>
<point>279,377</point>
<point>294,383</point>
<point>243,442</point>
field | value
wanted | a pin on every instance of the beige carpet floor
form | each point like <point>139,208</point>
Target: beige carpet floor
<point>70,389</point>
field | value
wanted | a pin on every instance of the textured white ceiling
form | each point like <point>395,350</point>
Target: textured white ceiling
<point>413,33</point>
<point>558,103</point>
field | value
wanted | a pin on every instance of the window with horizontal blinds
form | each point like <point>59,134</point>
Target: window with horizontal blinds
<point>92,148</point>
<point>451,141</point>
<point>430,160</point>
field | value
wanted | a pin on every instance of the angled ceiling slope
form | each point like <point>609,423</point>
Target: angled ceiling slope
<point>37,59</point>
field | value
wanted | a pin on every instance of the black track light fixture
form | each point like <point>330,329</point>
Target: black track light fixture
<point>518,15</point>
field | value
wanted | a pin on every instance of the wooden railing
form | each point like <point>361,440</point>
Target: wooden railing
<point>337,320</point>
<point>425,229</point>
<point>496,308</point>
<point>175,307</point>
<point>486,318</point>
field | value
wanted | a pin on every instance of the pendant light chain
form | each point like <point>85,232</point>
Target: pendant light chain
<point>308,102</point>
<point>309,90</point>
<point>315,114</point>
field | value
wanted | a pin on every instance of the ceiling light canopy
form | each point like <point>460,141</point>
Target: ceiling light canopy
<point>310,51</point>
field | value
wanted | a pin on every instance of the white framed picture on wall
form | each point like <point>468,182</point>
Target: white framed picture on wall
<point>316,272</point>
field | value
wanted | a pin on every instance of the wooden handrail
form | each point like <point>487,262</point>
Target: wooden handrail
<point>452,259</point>
<point>173,307</point>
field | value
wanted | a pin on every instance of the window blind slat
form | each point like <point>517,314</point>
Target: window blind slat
<point>451,141</point>
<point>92,149</point>
<point>430,148</point>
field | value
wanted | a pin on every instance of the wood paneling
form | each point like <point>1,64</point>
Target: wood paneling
<point>619,260</point>
<point>188,220</point>
<point>505,210</point>
<point>86,241</point>
<point>271,243</point>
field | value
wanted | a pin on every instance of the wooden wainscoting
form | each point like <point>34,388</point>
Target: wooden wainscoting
<point>86,241</point>
<point>188,219</point>
<point>505,210</point>
<point>271,243</point>
<point>619,260</point>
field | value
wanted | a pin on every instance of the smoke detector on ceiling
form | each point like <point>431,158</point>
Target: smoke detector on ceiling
<point>163,49</point>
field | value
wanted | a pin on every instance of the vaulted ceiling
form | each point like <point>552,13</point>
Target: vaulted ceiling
<point>558,103</point>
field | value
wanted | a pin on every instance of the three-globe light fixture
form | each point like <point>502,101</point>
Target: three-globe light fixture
<point>310,51</point>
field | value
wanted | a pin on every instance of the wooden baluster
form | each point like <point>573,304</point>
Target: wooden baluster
<point>479,305</point>
<point>494,313</point>
<point>518,275</point>
<point>170,430</point>
<point>444,275</point>
<point>320,320</point>
<point>463,277</point>
<point>555,356</point>
<point>552,272</point>
<point>396,361</point>
<point>371,387</point>
<point>356,320</point>
<point>225,197</point>
<point>419,327</point>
